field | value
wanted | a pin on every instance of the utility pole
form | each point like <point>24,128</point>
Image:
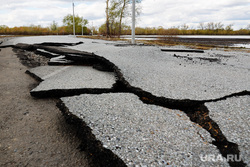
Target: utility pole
<point>74,30</point>
<point>133,22</point>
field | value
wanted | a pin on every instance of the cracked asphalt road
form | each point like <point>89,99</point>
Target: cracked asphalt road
<point>190,76</point>
<point>33,132</point>
<point>162,74</point>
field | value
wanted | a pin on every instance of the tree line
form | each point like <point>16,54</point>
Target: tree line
<point>210,28</point>
<point>115,27</point>
<point>203,29</point>
<point>53,29</point>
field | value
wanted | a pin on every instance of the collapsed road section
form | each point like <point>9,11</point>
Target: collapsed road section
<point>78,79</point>
<point>158,128</point>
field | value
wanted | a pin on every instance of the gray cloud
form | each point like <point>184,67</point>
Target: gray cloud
<point>154,12</point>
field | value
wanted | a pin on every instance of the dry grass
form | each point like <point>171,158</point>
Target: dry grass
<point>171,43</point>
<point>237,49</point>
<point>7,36</point>
<point>102,38</point>
<point>13,36</point>
<point>155,42</point>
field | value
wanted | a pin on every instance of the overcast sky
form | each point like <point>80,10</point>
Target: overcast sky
<point>166,13</point>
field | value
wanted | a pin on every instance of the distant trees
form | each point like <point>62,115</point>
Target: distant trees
<point>4,29</point>
<point>210,28</point>
<point>24,30</point>
<point>213,28</point>
<point>203,29</point>
<point>52,29</point>
<point>54,26</point>
<point>79,23</point>
<point>229,27</point>
<point>248,27</point>
<point>116,11</point>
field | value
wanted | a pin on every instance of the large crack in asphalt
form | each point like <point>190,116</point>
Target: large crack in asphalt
<point>194,109</point>
<point>99,155</point>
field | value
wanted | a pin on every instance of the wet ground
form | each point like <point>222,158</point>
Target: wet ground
<point>207,40</point>
<point>212,41</point>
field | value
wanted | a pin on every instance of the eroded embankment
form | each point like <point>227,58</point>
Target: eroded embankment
<point>194,109</point>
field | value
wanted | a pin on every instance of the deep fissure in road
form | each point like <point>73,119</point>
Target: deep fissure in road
<point>194,109</point>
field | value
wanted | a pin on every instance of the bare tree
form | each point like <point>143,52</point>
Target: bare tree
<point>107,19</point>
<point>116,11</point>
<point>229,27</point>
<point>184,26</point>
<point>201,26</point>
<point>124,5</point>
<point>210,26</point>
<point>248,27</point>
<point>219,26</point>
<point>114,16</point>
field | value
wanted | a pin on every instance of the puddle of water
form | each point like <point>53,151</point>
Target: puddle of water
<point>242,45</point>
<point>155,37</point>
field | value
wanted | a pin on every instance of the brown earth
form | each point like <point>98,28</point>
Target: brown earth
<point>33,132</point>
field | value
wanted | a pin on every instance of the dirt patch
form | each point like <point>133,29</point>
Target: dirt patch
<point>30,59</point>
<point>33,131</point>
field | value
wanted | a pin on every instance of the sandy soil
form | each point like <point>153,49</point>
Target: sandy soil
<point>33,132</point>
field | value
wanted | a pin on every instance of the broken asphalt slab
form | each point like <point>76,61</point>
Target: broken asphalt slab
<point>162,74</point>
<point>61,79</point>
<point>138,133</point>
